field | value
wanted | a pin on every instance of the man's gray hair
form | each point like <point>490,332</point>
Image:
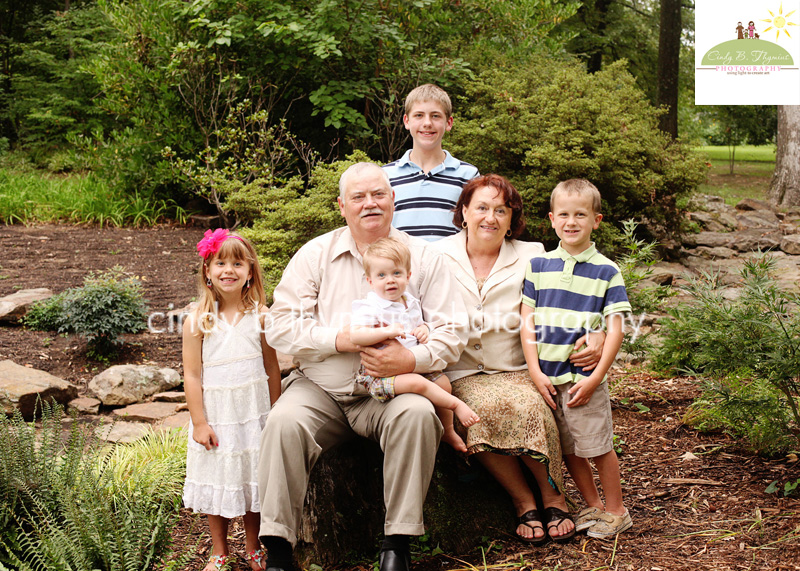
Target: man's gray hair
<point>355,170</point>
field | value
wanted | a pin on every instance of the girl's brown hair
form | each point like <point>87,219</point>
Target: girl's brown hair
<point>253,297</point>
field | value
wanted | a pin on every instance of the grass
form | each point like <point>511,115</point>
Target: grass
<point>749,153</point>
<point>749,180</point>
<point>28,196</point>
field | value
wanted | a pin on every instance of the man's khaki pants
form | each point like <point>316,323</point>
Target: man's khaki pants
<point>307,421</point>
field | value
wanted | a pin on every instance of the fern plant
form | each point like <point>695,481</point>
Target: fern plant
<point>69,506</point>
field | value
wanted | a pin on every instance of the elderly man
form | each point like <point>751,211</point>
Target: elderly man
<point>322,405</point>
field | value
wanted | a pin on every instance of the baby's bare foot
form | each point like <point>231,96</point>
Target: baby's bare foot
<point>453,439</point>
<point>465,414</point>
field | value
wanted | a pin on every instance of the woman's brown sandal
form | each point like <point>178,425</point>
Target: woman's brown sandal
<point>553,518</point>
<point>526,519</point>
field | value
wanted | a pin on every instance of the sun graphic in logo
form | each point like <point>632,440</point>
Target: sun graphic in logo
<point>779,22</point>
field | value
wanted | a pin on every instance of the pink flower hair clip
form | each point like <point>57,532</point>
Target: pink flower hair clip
<point>212,242</point>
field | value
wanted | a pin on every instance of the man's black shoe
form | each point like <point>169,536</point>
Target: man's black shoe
<point>395,560</point>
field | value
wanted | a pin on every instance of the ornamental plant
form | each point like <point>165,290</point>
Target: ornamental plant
<point>746,353</point>
<point>108,305</point>
<point>550,121</point>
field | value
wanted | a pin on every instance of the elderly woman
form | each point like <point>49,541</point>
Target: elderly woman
<point>517,428</point>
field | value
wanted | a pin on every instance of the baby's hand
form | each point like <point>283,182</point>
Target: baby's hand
<point>396,330</point>
<point>421,333</point>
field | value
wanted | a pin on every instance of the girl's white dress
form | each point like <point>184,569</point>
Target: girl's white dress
<point>223,481</point>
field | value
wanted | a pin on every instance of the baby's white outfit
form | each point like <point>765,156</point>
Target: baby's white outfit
<point>223,481</point>
<point>373,311</point>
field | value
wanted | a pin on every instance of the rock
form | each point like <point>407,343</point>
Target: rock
<point>661,277</point>
<point>750,204</point>
<point>757,219</point>
<point>13,307</point>
<point>128,384</point>
<point>179,420</point>
<point>171,396</point>
<point>707,221</point>
<point>718,252</point>
<point>286,363</point>
<point>710,239</point>
<point>731,293</point>
<point>791,244</point>
<point>85,405</point>
<point>750,240</point>
<point>20,387</point>
<point>122,432</point>
<point>146,411</point>
<point>727,219</point>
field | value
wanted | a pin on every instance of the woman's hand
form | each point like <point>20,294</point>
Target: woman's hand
<point>588,357</point>
<point>204,435</point>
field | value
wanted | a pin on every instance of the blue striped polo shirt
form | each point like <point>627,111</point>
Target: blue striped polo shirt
<point>424,203</point>
<point>570,296</point>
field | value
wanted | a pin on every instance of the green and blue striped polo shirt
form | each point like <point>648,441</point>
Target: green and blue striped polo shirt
<point>571,295</point>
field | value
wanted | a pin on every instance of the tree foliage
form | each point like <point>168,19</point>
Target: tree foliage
<point>551,121</point>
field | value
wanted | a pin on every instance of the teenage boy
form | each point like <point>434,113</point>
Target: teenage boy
<point>567,292</point>
<point>427,180</point>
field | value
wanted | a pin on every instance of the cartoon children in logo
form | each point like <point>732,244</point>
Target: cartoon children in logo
<point>743,33</point>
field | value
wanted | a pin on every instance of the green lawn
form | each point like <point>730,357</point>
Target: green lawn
<point>763,153</point>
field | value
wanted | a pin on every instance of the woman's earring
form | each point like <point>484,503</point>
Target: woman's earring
<point>247,284</point>
<point>208,282</point>
<point>464,224</point>
<point>508,232</point>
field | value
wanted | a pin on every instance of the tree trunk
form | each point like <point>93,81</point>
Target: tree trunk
<point>599,16</point>
<point>785,186</point>
<point>669,49</point>
<point>344,511</point>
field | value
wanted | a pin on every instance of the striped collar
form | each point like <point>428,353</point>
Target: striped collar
<point>584,256</point>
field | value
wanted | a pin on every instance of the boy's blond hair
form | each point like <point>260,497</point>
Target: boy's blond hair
<point>579,186</point>
<point>429,92</point>
<point>389,249</point>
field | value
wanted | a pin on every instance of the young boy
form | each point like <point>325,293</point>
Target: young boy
<point>427,180</point>
<point>567,292</point>
<point>389,311</point>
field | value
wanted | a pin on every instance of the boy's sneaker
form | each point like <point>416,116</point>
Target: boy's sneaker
<point>587,518</point>
<point>608,525</point>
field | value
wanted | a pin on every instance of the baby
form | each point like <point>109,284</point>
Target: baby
<point>389,312</point>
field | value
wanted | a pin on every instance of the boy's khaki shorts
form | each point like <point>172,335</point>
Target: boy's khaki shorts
<point>586,430</point>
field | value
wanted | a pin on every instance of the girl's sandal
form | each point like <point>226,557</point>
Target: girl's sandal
<point>256,556</point>
<point>218,563</point>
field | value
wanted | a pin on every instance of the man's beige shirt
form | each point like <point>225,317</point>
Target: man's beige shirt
<point>494,345</point>
<point>314,298</point>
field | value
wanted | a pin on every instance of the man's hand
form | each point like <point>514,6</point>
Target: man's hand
<point>391,359</point>
<point>588,357</point>
<point>343,343</point>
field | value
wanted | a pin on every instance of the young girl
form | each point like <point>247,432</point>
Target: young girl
<point>231,379</point>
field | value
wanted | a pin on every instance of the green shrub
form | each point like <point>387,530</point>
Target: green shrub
<point>749,347</point>
<point>552,121</point>
<point>108,305</point>
<point>66,506</point>
<point>288,219</point>
<point>636,265</point>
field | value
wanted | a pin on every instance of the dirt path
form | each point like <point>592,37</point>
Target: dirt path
<point>698,500</point>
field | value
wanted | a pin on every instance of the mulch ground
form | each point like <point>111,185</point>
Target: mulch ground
<point>698,500</point>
